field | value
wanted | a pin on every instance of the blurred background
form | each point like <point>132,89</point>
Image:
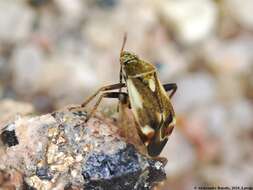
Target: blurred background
<point>57,52</point>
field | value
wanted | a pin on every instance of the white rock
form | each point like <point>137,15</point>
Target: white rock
<point>194,90</point>
<point>27,67</point>
<point>211,119</point>
<point>71,11</point>
<point>180,154</point>
<point>226,176</point>
<point>231,56</point>
<point>4,70</point>
<point>172,62</point>
<point>241,113</point>
<point>241,11</point>
<point>191,20</point>
<point>15,21</point>
<point>216,119</point>
<point>66,79</point>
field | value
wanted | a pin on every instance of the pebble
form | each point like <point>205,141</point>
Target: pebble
<point>216,119</point>
<point>27,68</point>
<point>231,57</point>
<point>227,176</point>
<point>191,21</point>
<point>180,155</point>
<point>241,113</point>
<point>194,90</point>
<point>71,11</point>
<point>16,20</point>
<point>242,15</point>
<point>36,77</point>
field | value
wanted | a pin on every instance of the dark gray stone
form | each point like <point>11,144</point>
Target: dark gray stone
<point>127,169</point>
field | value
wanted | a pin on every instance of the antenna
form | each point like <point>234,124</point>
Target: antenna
<point>121,52</point>
<point>123,43</point>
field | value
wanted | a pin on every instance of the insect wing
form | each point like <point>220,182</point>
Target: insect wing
<point>152,110</point>
<point>144,104</point>
<point>167,122</point>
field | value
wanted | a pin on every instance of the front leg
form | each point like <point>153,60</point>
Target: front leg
<point>102,89</point>
<point>119,95</point>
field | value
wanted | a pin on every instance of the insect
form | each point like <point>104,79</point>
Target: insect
<point>147,98</point>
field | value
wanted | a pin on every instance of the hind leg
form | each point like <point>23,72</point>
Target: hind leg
<point>170,87</point>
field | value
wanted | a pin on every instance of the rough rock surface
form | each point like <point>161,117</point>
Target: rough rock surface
<point>61,151</point>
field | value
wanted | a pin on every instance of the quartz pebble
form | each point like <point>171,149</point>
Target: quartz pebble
<point>15,21</point>
<point>191,21</point>
<point>243,14</point>
<point>195,90</point>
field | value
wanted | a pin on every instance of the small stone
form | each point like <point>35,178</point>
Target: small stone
<point>15,21</point>
<point>87,147</point>
<point>60,140</point>
<point>68,161</point>
<point>51,152</point>
<point>37,183</point>
<point>105,171</point>
<point>195,90</point>
<point>53,132</point>
<point>71,10</point>
<point>74,173</point>
<point>43,173</point>
<point>158,165</point>
<point>215,117</point>
<point>59,157</point>
<point>191,20</point>
<point>175,148</point>
<point>58,168</point>
<point>241,115</point>
<point>231,57</point>
<point>1,177</point>
<point>107,3</point>
<point>9,138</point>
<point>79,158</point>
<point>243,14</point>
<point>27,68</point>
<point>38,3</point>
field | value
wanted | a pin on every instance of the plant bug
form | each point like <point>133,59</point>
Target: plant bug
<point>147,98</point>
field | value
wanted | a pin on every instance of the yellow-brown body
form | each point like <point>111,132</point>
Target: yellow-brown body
<point>149,102</point>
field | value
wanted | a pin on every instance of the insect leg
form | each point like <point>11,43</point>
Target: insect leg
<point>120,78</point>
<point>121,52</point>
<point>169,87</point>
<point>120,81</point>
<point>122,96</point>
<point>104,88</point>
